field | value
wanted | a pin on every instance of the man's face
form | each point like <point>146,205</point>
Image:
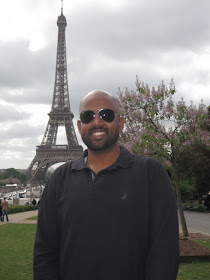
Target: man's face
<point>99,135</point>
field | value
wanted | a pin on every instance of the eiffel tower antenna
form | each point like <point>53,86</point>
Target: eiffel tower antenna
<point>61,6</point>
<point>49,153</point>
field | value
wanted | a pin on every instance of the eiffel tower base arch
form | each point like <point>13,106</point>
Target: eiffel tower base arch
<point>46,157</point>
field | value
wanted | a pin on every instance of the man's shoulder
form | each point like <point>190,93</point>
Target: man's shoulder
<point>67,167</point>
<point>64,167</point>
<point>142,160</point>
<point>60,175</point>
<point>148,160</point>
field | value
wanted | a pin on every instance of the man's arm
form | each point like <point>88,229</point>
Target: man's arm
<point>47,241</point>
<point>163,257</point>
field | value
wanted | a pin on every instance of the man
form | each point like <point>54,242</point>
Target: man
<point>207,201</point>
<point>34,204</point>
<point>109,215</point>
<point>4,205</point>
<point>0,211</point>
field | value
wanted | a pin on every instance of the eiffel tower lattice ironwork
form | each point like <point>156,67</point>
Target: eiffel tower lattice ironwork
<point>49,153</point>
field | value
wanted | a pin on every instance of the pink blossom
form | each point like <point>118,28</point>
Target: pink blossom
<point>155,124</point>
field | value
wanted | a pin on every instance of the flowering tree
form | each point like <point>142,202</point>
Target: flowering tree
<point>155,125</point>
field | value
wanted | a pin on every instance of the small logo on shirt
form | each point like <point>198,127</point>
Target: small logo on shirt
<point>124,196</point>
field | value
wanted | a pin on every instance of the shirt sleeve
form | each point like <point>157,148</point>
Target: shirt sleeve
<point>47,240</point>
<point>163,256</point>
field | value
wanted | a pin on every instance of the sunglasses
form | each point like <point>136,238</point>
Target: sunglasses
<point>107,115</point>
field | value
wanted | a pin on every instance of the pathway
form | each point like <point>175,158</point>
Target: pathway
<point>21,217</point>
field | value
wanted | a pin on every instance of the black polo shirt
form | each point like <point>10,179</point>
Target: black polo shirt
<point>120,224</point>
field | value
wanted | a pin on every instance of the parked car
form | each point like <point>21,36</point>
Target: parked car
<point>26,202</point>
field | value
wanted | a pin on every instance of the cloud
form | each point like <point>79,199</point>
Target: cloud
<point>21,130</point>
<point>141,28</point>
<point>9,113</point>
<point>23,72</point>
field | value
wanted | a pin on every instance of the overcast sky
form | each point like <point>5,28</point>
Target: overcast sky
<point>108,43</point>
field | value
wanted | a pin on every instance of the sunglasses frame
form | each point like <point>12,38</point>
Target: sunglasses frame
<point>94,115</point>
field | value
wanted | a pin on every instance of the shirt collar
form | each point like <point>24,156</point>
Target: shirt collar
<point>124,160</point>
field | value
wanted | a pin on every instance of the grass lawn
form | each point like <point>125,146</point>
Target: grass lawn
<point>194,271</point>
<point>33,218</point>
<point>197,270</point>
<point>204,242</point>
<point>17,241</point>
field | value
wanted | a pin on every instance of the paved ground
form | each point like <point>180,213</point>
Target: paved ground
<point>21,217</point>
<point>198,222</point>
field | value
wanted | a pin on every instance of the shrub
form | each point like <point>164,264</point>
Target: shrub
<point>188,190</point>
<point>194,207</point>
<point>20,208</point>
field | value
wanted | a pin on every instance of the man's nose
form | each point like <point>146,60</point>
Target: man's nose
<point>97,120</point>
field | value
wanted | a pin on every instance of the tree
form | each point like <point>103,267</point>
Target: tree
<point>155,125</point>
<point>46,177</point>
<point>13,173</point>
<point>194,164</point>
<point>9,180</point>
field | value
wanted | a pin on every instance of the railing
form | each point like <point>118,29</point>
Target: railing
<point>59,147</point>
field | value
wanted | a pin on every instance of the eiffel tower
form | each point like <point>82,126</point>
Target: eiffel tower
<point>48,153</point>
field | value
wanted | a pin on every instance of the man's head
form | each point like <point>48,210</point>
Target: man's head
<point>100,129</point>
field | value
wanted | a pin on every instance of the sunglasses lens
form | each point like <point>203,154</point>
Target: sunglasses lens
<point>87,116</point>
<point>107,115</point>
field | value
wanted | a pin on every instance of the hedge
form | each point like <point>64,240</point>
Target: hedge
<point>20,208</point>
<point>194,207</point>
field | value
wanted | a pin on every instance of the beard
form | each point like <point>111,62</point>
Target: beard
<point>98,146</point>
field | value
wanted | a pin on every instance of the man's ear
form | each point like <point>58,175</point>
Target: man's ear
<point>79,126</point>
<point>121,123</point>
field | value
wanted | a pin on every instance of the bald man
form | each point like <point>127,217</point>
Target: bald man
<point>109,215</point>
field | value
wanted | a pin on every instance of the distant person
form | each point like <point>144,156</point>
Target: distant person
<point>4,205</point>
<point>34,204</point>
<point>109,215</point>
<point>207,201</point>
<point>0,211</point>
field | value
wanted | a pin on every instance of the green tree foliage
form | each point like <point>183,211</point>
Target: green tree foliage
<point>194,165</point>
<point>46,177</point>
<point>13,173</point>
<point>194,162</point>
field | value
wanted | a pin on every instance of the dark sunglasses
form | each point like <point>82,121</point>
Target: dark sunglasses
<point>107,115</point>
